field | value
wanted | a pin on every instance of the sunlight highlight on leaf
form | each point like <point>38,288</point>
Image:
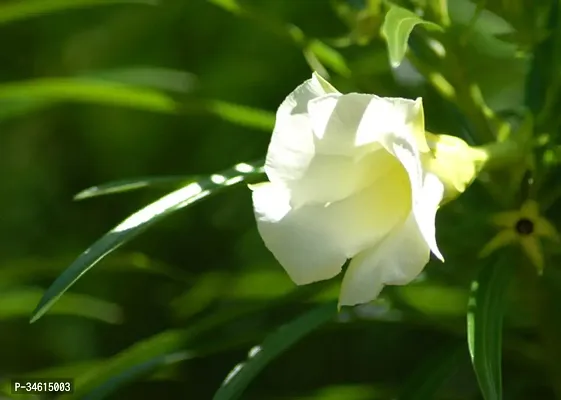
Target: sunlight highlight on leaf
<point>128,185</point>
<point>242,115</point>
<point>22,9</point>
<point>137,223</point>
<point>88,90</point>
<point>32,95</point>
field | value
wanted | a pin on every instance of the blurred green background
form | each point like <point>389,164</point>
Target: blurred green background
<point>201,286</point>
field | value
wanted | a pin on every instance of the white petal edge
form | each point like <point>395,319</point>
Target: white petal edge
<point>396,260</point>
<point>427,190</point>
<point>352,123</point>
<point>292,144</point>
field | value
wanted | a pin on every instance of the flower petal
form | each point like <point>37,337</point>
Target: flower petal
<point>501,239</point>
<point>292,145</point>
<point>427,189</point>
<point>331,178</point>
<point>396,260</point>
<point>313,242</point>
<point>353,123</point>
<point>532,248</point>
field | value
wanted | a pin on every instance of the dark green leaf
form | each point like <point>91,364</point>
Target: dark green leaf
<point>141,220</point>
<point>429,377</point>
<point>486,309</point>
<point>398,25</point>
<point>273,346</point>
<point>22,9</point>
<point>127,185</point>
<point>151,353</point>
<point>118,380</point>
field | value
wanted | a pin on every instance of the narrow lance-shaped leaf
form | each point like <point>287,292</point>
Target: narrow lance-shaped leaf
<point>22,9</point>
<point>141,220</point>
<point>273,346</point>
<point>20,98</point>
<point>485,321</point>
<point>127,185</point>
<point>398,25</point>
<point>88,90</point>
<point>116,381</point>
<point>153,352</point>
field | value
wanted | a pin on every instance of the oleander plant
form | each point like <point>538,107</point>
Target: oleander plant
<point>281,199</point>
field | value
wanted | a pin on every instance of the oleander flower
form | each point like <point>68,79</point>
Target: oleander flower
<point>349,179</point>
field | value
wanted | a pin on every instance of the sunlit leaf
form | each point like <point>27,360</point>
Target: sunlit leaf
<point>398,25</point>
<point>273,346</point>
<point>32,95</point>
<point>88,90</point>
<point>127,185</point>
<point>18,303</point>
<point>241,115</point>
<point>15,10</point>
<point>141,220</point>
<point>486,310</point>
<point>228,5</point>
<point>151,77</point>
<point>329,57</point>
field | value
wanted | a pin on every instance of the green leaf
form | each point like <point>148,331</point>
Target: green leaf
<point>139,357</point>
<point>273,346</point>
<point>398,25</point>
<point>87,90</point>
<point>67,370</point>
<point>17,303</point>
<point>150,350</point>
<point>140,221</point>
<point>30,269</point>
<point>153,77</point>
<point>127,185</point>
<point>21,9</point>
<point>241,115</point>
<point>20,98</point>
<point>326,55</point>
<point>427,379</point>
<point>118,380</point>
<point>486,309</point>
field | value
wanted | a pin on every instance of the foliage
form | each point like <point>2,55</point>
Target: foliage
<point>158,95</point>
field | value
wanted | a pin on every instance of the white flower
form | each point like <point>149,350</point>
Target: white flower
<point>347,181</point>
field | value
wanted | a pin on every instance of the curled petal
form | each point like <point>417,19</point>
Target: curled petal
<point>292,145</point>
<point>427,189</point>
<point>354,123</point>
<point>396,260</point>
<point>313,242</point>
